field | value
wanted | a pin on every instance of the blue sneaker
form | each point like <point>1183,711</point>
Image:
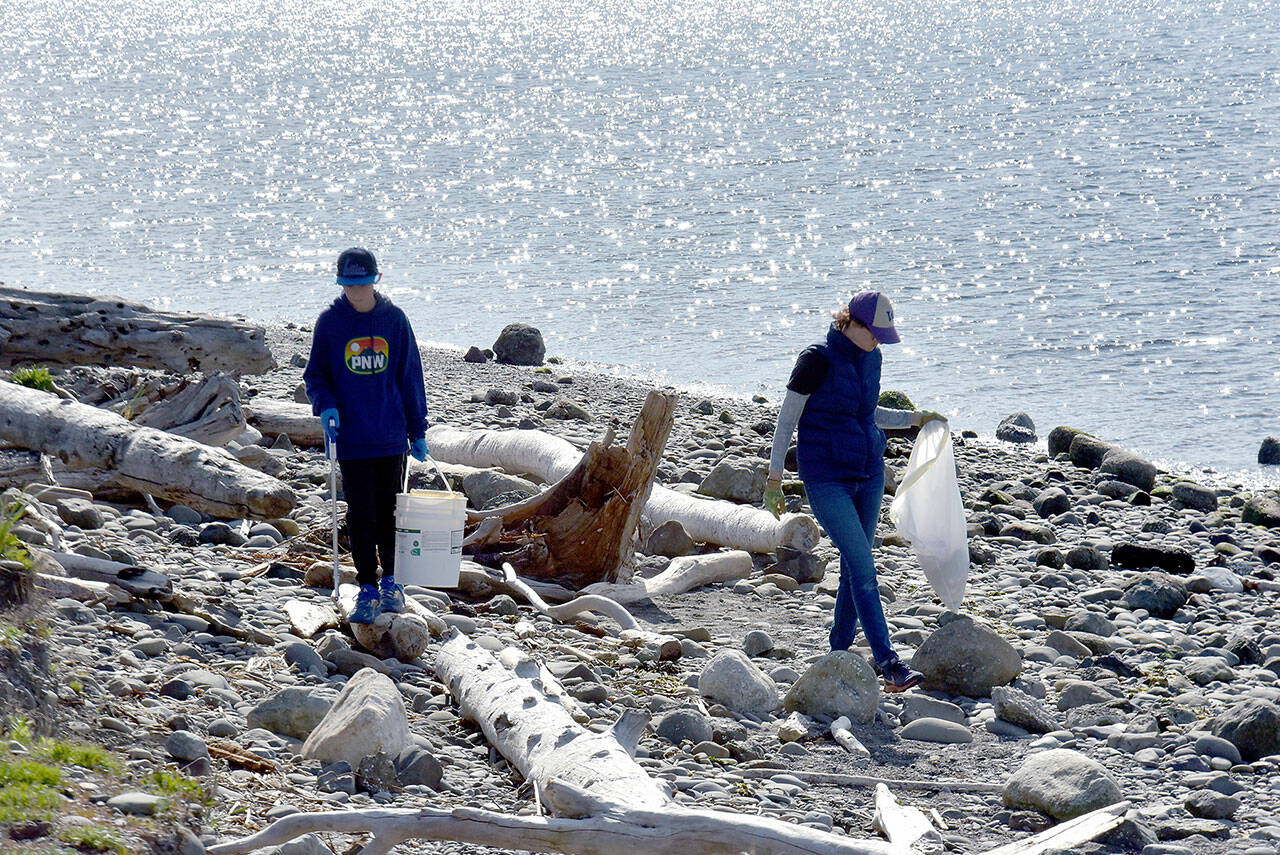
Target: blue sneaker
<point>390,595</point>
<point>366,609</point>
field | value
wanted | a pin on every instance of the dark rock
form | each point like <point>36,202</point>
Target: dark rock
<point>1052,502</point>
<point>1269,451</point>
<point>1245,647</point>
<point>1060,439</point>
<point>1195,496</point>
<point>1050,557</point>
<point>683,724</point>
<point>520,344</point>
<point>1253,726</point>
<point>337,778</point>
<point>415,764</point>
<point>1113,489</point>
<point>802,566</point>
<point>1261,510</point>
<point>1016,428</point>
<point>474,354</point>
<point>1086,558</point>
<point>1141,556</point>
<point>1087,451</point>
<point>1029,531</point>
<point>377,773</point>
<point>1206,804</point>
<point>1129,468</point>
<point>669,540</point>
<point>220,534</point>
<point>504,397</point>
<point>80,513</point>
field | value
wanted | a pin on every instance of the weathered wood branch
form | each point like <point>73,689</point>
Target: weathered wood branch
<point>138,582</point>
<point>682,574</point>
<point>207,410</point>
<point>665,647</point>
<point>141,458</point>
<point>79,329</point>
<point>274,417</point>
<point>550,459</point>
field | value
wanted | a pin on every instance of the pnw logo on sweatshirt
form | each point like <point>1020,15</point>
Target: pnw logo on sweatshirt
<point>369,355</point>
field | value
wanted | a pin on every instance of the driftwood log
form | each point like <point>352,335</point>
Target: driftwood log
<point>296,421</point>
<point>682,574</point>
<point>204,409</point>
<point>78,329</point>
<point>582,529</point>
<point>140,458</point>
<point>550,458</point>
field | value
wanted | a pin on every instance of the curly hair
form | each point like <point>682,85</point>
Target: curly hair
<point>843,318</point>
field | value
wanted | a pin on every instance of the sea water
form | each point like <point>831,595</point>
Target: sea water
<point>1074,206</point>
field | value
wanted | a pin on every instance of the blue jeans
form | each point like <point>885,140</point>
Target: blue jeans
<point>849,511</point>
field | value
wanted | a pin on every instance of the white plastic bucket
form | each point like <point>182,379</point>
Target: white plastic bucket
<point>429,526</point>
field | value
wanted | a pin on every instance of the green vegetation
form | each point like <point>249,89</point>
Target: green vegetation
<point>11,548</point>
<point>28,789</point>
<point>34,377</point>
<point>93,838</point>
<point>82,754</point>
<point>895,400</point>
<point>177,786</point>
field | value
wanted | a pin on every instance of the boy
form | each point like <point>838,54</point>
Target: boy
<point>364,380</point>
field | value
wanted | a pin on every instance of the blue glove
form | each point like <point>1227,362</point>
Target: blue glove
<point>419,449</point>
<point>329,421</point>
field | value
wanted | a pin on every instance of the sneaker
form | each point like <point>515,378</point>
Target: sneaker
<point>366,610</point>
<point>390,595</point>
<point>898,677</point>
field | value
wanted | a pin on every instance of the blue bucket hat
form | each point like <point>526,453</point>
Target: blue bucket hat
<point>357,266</point>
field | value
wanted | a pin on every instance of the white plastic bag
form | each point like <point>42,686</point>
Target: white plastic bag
<point>929,514</point>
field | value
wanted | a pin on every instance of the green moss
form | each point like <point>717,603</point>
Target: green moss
<point>93,838</point>
<point>895,400</point>
<point>34,377</point>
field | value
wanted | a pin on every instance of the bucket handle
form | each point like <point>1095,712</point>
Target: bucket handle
<point>404,488</point>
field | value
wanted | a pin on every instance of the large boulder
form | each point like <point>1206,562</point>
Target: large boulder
<point>1051,502</point>
<point>294,711</point>
<point>483,486</point>
<point>1195,496</point>
<point>966,658</point>
<point>367,717</point>
<point>1129,468</point>
<point>670,540</point>
<point>737,482</point>
<point>1253,726</point>
<point>1159,593</point>
<point>839,684</point>
<point>1060,439</point>
<point>1269,451</point>
<point>519,344</point>
<point>1261,510</point>
<point>1016,428</point>
<point>730,678</point>
<point>1141,556</point>
<point>1087,451</point>
<point>1061,783</point>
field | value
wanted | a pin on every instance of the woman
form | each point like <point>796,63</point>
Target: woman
<point>832,395</point>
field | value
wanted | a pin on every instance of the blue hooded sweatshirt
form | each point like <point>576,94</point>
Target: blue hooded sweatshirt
<point>366,364</point>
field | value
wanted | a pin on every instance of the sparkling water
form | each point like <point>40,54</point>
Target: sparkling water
<point>1075,206</point>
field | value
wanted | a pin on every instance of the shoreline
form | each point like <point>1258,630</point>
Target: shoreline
<point>1099,675</point>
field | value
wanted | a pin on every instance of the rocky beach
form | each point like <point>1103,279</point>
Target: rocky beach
<point>1117,642</point>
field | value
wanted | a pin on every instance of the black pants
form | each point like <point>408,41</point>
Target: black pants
<point>370,485</point>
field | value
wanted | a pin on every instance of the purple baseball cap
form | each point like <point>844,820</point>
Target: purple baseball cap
<point>874,311</point>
